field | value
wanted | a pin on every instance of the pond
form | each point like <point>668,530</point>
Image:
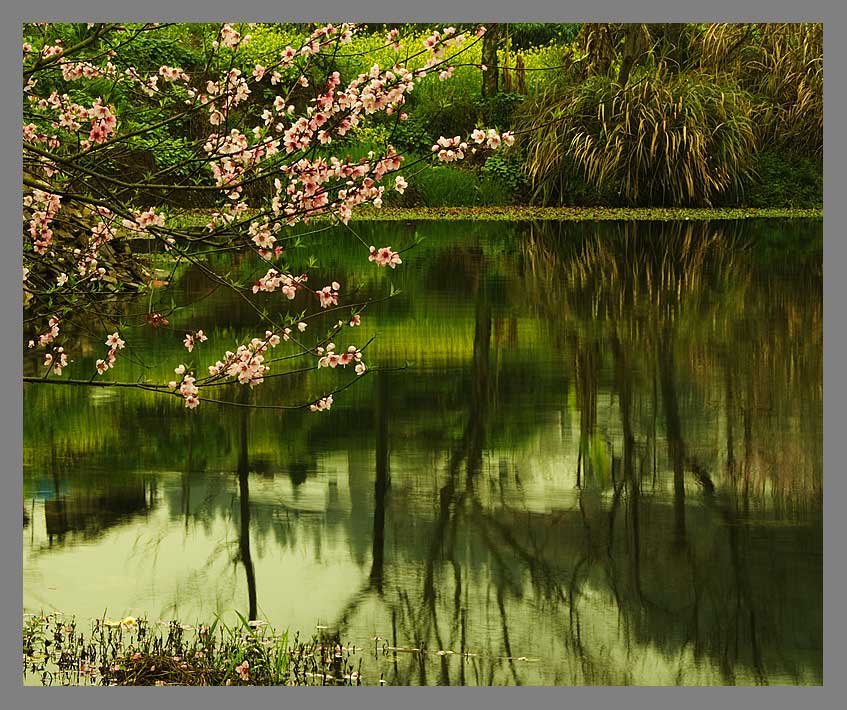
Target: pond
<point>594,457</point>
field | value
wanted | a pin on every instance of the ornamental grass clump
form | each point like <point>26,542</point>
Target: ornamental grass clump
<point>781,66</point>
<point>663,139</point>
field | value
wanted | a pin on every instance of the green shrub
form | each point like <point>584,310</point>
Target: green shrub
<point>413,134</point>
<point>785,181</point>
<point>448,186</point>
<point>506,171</point>
<point>498,110</point>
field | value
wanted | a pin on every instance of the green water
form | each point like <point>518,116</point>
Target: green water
<point>597,460</point>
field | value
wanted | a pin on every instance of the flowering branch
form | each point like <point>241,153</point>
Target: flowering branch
<point>264,161</point>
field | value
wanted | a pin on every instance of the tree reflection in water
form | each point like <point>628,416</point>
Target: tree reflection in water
<point>617,479</point>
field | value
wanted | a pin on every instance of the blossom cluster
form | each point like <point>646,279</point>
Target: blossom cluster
<point>87,261</point>
<point>115,343</point>
<point>393,38</point>
<point>332,359</point>
<point>328,295</point>
<point>187,387</point>
<point>44,207</point>
<point>322,404</point>
<point>492,139</point>
<point>247,362</point>
<point>172,74</point>
<point>230,37</point>
<point>274,280</point>
<point>50,335</point>
<point>58,361</point>
<point>73,71</point>
<point>103,122</point>
<point>384,256</point>
<point>192,338</point>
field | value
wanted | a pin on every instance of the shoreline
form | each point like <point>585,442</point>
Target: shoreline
<point>197,218</point>
<point>580,214</point>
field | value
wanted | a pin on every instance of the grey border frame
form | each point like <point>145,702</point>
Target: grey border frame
<point>830,12</point>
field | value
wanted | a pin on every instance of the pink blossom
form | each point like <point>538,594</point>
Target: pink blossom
<point>114,342</point>
<point>392,38</point>
<point>230,37</point>
<point>328,295</point>
<point>272,338</point>
<point>385,256</point>
<point>322,404</point>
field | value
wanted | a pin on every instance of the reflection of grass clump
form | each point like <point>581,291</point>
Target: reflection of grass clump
<point>135,652</point>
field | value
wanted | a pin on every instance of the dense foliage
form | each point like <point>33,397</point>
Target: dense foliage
<point>608,114</point>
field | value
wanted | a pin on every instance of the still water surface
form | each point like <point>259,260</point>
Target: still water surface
<point>597,460</point>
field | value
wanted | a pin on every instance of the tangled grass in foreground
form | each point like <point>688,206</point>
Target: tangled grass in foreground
<point>137,652</point>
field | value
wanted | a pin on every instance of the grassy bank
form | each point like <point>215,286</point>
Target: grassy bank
<point>577,214</point>
<point>196,219</point>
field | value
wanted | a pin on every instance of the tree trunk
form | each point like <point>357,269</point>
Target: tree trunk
<point>631,51</point>
<point>490,78</point>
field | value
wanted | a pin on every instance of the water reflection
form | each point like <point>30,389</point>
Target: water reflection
<point>604,467</point>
